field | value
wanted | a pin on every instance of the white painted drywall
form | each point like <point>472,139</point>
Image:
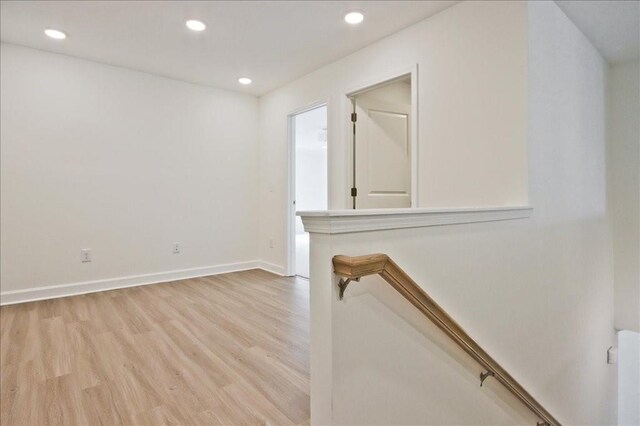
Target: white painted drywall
<point>396,92</point>
<point>472,86</point>
<point>124,163</point>
<point>624,164</point>
<point>628,378</point>
<point>536,293</point>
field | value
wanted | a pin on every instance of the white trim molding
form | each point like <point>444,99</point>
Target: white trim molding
<point>73,289</point>
<point>346,221</point>
<point>273,268</point>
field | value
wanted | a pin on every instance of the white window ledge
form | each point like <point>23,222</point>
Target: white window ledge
<point>346,221</point>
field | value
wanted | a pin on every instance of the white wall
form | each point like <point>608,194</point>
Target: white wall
<point>536,293</point>
<point>472,85</point>
<point>628,378</point>
<point>396,92</point>
<point>624,164</point>
<point>124,163</point>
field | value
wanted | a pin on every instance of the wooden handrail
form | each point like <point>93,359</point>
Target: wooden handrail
<point>354,268</point>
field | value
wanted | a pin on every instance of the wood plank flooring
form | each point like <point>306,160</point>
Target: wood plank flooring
<point>226,349</point>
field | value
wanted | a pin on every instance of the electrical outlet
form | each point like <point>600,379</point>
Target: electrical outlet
<point>271,243</point>
<point>85,255</point>
<point>176,248</point>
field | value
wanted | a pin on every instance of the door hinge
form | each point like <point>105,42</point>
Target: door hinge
<point>354,192</point>
<point>354,117</point>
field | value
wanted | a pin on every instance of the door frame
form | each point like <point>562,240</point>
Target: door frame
<point>290,234</point>
<point>372,83</point>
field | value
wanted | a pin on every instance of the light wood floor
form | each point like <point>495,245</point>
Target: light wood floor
<point>226,349</point>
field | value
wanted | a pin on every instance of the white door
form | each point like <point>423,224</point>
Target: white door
<point>383,154</point>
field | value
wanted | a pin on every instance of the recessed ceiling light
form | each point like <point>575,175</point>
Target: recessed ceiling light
<point>354,18</point>
<point>244,80</point>
<point>58,35</point>
<point>194,25</point>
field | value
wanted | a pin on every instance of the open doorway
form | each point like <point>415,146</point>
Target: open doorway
<point>383,145</point>
<point>308,143</point>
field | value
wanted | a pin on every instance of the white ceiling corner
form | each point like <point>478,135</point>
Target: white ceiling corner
<point>613,26</point>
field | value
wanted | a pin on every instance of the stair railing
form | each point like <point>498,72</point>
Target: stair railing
<point>354,268</point>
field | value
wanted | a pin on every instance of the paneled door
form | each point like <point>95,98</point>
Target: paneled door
<point>382,154</point>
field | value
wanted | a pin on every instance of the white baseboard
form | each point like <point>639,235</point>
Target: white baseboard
<point>64,290</point>
<point>273,268</point>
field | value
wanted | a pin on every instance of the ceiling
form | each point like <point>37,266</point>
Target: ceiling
<point>612,26</point>
<point>272,42</point>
